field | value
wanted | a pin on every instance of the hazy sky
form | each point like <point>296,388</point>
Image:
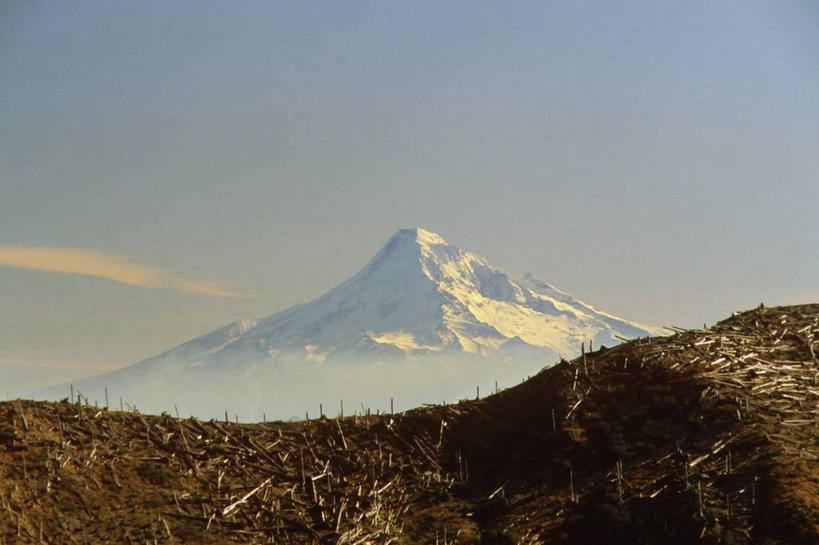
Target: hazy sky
<point>168,167</point>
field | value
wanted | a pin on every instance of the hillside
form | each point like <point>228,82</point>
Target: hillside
<point>704,436</point>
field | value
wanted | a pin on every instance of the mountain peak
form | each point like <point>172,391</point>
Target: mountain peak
<point>418,297</point>
<point>407,248</point>
<point>419,235</point>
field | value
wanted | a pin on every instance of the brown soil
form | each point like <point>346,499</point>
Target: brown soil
<point>704,436</point>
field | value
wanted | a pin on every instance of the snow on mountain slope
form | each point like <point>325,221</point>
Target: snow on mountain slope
<point>419,295</point>
<point>419,298</point>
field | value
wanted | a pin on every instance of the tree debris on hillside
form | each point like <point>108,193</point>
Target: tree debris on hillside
<point>706,435</point>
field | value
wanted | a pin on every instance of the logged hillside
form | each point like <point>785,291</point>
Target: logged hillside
<point>704,436</point>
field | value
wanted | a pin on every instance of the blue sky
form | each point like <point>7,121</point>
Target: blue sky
<point>657,159</point>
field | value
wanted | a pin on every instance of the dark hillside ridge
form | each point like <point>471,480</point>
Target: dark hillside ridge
<point>704,436</point>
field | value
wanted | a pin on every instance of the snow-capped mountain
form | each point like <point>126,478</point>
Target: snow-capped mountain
<point>421,295</point>
<point>419,299</point>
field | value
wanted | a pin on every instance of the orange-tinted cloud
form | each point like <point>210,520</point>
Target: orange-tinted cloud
<point>96,263</point>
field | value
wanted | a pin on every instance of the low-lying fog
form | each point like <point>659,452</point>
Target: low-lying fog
<point>289,391</point>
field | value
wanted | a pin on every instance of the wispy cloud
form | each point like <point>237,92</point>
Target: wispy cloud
<point>95,263</point>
